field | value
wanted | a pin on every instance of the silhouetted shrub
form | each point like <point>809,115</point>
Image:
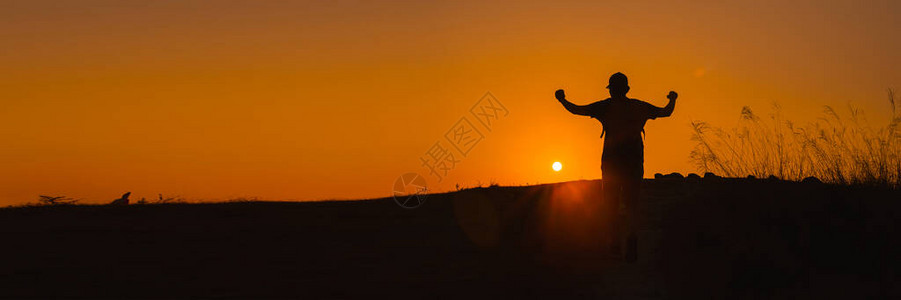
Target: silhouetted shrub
<point>163,200</point>
<point>122,200</point>
<point>811,179</point>
<point>55,200</point>
<point>710,175</point>
<point>834,149</point>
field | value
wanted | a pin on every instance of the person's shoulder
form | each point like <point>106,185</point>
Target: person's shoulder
<point>638,101</point>
<point>641,102</point>
<point>599,103</point>
<point>647,109</point>
<point>598,107</point>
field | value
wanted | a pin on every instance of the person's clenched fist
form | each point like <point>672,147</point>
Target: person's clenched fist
<point>560,95</point>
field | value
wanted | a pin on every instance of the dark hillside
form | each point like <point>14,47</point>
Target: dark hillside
<point>712,237</point>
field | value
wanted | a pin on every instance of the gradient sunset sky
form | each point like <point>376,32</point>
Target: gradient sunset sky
<point>306,100</point>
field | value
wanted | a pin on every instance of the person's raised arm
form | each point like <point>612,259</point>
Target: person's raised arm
<point>581,110</point>
<point>667,110</point>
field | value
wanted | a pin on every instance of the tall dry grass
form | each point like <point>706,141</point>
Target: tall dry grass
<point>835,149</point>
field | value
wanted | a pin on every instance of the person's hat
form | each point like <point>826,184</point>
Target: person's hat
<point>618,80</point>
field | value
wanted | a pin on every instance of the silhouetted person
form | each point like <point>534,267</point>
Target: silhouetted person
<point>622,162</point>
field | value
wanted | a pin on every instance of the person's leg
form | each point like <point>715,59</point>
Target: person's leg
<point>631,192</point>
<point>610,213</point>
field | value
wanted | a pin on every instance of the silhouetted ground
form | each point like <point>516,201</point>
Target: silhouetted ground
<point>713,238</point>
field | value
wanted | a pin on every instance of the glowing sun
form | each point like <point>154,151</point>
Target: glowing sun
<point>557,166</point>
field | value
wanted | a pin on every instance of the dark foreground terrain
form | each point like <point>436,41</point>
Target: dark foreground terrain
<point>714,238</point>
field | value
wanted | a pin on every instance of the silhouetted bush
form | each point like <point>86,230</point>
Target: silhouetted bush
<point>163,200</point>
<point>55,200</point>
<point>833,149</point>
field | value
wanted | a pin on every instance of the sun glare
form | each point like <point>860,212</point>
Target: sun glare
<point>557,166</point>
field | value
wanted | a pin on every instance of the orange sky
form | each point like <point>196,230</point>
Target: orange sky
<point>300,100</point>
